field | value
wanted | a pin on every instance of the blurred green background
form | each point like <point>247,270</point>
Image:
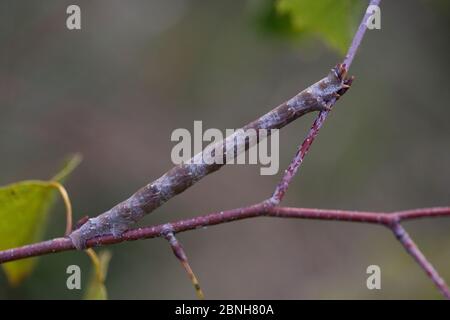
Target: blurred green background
<point>137,70</point>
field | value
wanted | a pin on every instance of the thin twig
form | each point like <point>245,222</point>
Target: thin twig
<point>290,172</point>
<point>216,218</point>
<point>296,162</point>
<point>413,250</point>
<point>389,220</point>
<point>180,254</point>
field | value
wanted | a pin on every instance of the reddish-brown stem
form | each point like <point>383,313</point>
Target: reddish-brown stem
<point>257,210</point>
<point>413,250</point>
<point>296,162</point>
<point>390,220</point>
<point>293,167</point>
<point>179,253</point>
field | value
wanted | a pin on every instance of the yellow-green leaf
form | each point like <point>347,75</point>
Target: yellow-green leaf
<point>96,289</point>
<point>332,20</point>
<point>24,208</point>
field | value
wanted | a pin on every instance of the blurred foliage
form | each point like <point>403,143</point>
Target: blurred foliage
<point>24,208</point>
<point>332,21</point>
<point>442,5</point>
<point>96,289</point>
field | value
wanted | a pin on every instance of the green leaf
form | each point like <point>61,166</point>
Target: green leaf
<point>332,20</point>
<point>96,289</point>
<point>24,208</point>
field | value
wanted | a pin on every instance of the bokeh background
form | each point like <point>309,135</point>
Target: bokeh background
<point>137,70</point>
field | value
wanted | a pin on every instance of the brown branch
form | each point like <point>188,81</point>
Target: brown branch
<point>257,210</point>
<point>320,120</point>
<point>264,209</point>
<point>414,251</point>
<point>180,254</point>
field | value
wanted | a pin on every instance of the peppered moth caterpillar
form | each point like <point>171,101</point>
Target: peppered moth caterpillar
<point>317,97</point>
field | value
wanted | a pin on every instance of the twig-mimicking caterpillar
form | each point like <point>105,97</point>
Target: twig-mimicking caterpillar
<point>317,97</point>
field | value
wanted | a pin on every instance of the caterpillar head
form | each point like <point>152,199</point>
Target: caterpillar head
<point>325,92</point>
<point>341,82</point>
